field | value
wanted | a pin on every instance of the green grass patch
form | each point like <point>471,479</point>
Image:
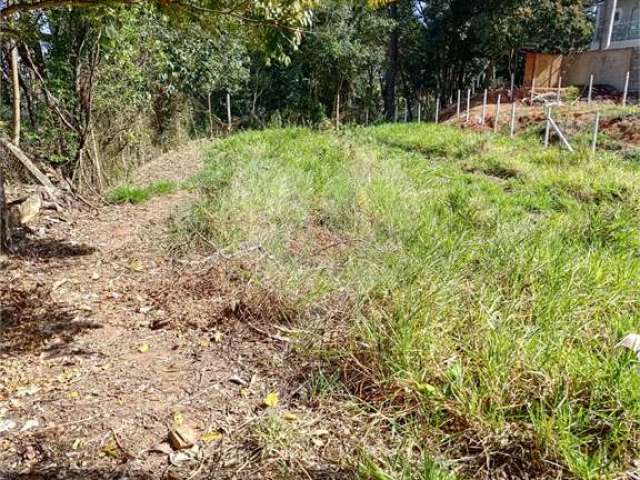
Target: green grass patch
<point>137,194</point>
<point>483,282</point>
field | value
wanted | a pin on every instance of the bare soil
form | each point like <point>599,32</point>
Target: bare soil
<point>109,339</point>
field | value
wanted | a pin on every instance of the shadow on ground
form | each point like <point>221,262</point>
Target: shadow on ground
<point>30,318</point>
<point>49,249</point>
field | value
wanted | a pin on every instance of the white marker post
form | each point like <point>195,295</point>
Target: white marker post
<point>437,109</point>
<point>512,87</point>
<point>533,88</point>
<point>419,111</point>
<point>484,106</point>
<point>596,127</point>
<point>513,119</point>
<point>458,105</point>
<point>338,111</point>
<point>229,111</point>
<point>496,122</point>
<point>559,93</point>
<point>625,93</point>
<point>590,94</point>
<point>395,113</point>
<point>547,130</point>
<point>468,104</point>
<point>406,110</point>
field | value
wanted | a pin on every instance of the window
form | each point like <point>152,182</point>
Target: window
<point>618,15</point>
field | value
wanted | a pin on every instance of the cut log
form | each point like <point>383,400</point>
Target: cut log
<point>29,165</point>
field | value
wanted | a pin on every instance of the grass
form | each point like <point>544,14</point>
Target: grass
<point>481,285</point>
<point>138,194</point>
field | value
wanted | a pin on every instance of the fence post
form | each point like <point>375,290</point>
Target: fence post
<point>458,105</point>
<point>559,95</point>
<point>406,110</point>
<point>484,106</point>
<point>229,111</point>
<point>468,104</point>
<point>395,113</point>
<point>496,122</point>
<point>513,119</point>
<point>437,108</point>
<point>338,111</point>
<point>419,111</point>
<point>547,130</point>
<point>533,88</point>
<point>596,127</point>
<point>626,89</point>
<point>590,94</point>
<point>512,86</point>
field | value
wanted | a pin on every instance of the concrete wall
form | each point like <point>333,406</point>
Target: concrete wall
<point>609,67</point>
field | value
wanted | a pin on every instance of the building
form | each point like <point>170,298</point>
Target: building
<point>615,50</point>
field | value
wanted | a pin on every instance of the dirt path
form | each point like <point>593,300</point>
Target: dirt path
<point>108,341</point>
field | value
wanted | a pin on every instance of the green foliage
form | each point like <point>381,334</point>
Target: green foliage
<point>572,93</point>
<point>483,282</point>
<point>136,194</point>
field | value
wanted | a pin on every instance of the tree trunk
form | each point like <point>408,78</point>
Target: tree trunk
<point>391,71</point>
<point>15,88</point>
<point>5,234</point>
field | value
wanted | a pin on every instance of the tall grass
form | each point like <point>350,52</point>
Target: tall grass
<point>484,283</point>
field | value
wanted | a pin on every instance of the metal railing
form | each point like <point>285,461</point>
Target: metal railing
<point>626,31</point>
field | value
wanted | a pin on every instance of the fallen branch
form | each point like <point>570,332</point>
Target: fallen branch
<point>29,165</point>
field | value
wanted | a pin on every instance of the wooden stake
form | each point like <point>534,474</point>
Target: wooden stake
<point>395,113</point>
<point>484,106</point>
<point>513,119</point>
<point>229,111</point>
<point>625,93</point>
<point>596,127</point>
<point>437,109</point>
<point>590,94</point>
<point>406,110</point>
<point>468,104</point>
<point>496,122</point>
<point>458,105</point>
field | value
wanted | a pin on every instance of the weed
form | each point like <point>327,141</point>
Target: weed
<point>482,284</point>
<point>136,194</point>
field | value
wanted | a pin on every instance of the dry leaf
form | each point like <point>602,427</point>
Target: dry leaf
<point>290,417</point>
<point>111,449</point>
<point>135,265</point>
<point>218,336</point>
<point>271,400</point>
<point>182,437</point>
<point>211,436</point>
<point>178,419</point>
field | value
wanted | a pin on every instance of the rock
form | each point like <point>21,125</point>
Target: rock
<point>182,437</point>
<point>6,425</point>
<point>23,211</point>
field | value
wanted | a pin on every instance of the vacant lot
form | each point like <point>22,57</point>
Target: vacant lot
<point>470,289</point>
